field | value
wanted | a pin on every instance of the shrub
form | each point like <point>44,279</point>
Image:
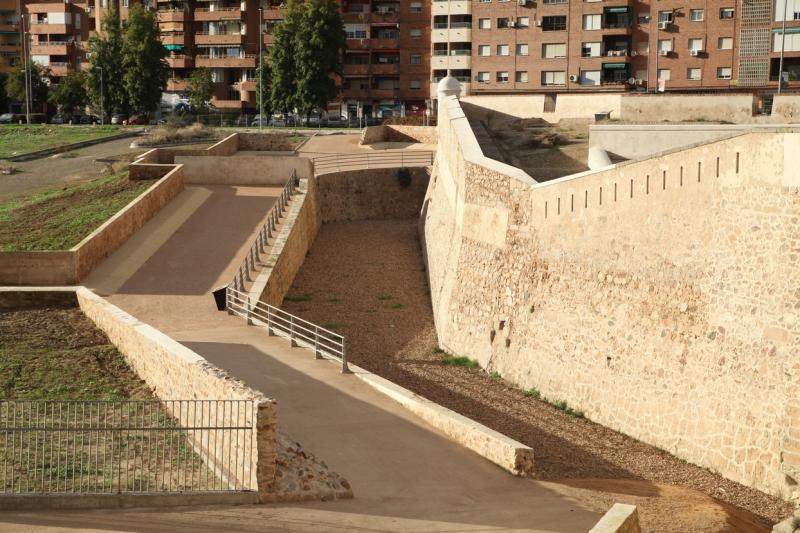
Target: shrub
<point>454,360</point>
<point>404,177</point>
<point>495,375</point>
<point>533,392</point>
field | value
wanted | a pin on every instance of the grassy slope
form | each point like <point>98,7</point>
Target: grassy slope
<point>59,218</point>
<point>21,139</point>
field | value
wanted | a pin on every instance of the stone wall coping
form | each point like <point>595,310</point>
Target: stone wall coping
<point>696,126</point>
<point>621,518</point>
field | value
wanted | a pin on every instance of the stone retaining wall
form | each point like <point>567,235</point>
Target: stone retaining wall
<point>371,193</point>
<point>655,296</point>
<point>398,133</point>
<point>68,267</point>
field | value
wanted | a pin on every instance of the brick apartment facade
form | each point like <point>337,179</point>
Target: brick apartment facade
<point>398,50</point>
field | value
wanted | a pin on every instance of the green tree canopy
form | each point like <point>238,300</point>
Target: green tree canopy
<point>283,90</point>
<point>105,63</point>
<point>70,93</point>
<point>320,44</point>
<point>200,88</point>
<point>143,59</point>
<point>4,99</point>
<point>15,84</point>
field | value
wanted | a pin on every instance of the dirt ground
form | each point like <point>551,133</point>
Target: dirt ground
<point>380,301</point>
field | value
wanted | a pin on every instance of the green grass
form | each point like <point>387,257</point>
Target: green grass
<point>334,326</point>
<point>455,360</point>
<point>305,297</point>
<point>18,139</point>
<point>495,375</point>
<point>436,350</point>
<point>59,218</point>
<point>533,392</point>
<point>384,297</point>
<point>397,305</point>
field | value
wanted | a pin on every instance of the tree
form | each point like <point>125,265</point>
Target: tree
<point>70,93</point>
<point>283,90</point>
<point>144,60</point>
<point>318,52</point>
<point>105,66</point>
<point>264,71</point>
<point>4,100</point>
<point>15,84</point>
<point>200,88</point>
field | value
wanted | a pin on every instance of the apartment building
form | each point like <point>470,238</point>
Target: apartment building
<point>10,34</point>
<point>57,33</point>
<point>501,46</point>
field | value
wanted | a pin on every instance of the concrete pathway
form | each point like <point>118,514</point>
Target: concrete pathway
<point>348,144</point>
<point>405,475</point>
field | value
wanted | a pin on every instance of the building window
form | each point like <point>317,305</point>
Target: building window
<point>522,49</point>
<point>592,22</point>
<point>724,73</point>
<point>665,17</point>
<point>483,77</point>
<point>590,49</point>
<point>725,43</point>
<point>521,76</point>
<point>554,50</point>
<point>790,9</point>
<point>484,50</point>
<point>693,74</point>
<point>665,45</point>
<point>727,13</point>
<point>503,22</point>
<point>484,1</point>
<point>415,59</point>
<point>664,74</point>
<point>643,19</point>
<point>502,76</point>
<point>414,85</point>
<point>547,2</point>
<point>696,15</point>
<point>590,77</point>
<point>415,7</point>
<point>556,23</point>
<point>124,3</point>
<point>696,44</point>
<point>553,77</point>
<point>485,24</point>
<point>502,49</point>
<point>523,22</point>
<point>415,33</point>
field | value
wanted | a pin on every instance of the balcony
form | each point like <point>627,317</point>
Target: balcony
<point>7,27</point>
<point>171,16</point>
<point>382,17</point>
<point>51,48</point>
<point>390,43</point>
<point>48,7</point>
<point>226,104</point>
<point>223,38</point>
<point>176,84</point>
<point>380,69</point>
<point>173,38</point>
<point>451,35</point>
<point>225,13</point>
<point>180,61</point>
<point>248,61</point>
<point>58,69</point>
<point>43,28</point>
<point>382,94</point>
<point>8,47</point>
<point>356,69</point>
<point>454,60</point>
<point>274,13</point>
<point>451,7</point>
<point>249,85</point>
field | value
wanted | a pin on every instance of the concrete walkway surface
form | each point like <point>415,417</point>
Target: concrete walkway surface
<point>405,475</point>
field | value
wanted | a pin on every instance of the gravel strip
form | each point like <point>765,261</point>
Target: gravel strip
<point>366,280</point>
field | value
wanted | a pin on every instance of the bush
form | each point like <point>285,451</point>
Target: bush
<point>404,177</point>
<point>454,360</point>
<point>171,134</point>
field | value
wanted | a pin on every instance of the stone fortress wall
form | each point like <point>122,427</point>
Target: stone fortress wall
<point>658,296</point>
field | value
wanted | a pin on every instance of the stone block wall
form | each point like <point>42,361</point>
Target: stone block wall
<point>371,193</point>
<point>398,133</point>
<point>656,296</point>
<point>260,170</point>
<point>175,372</point>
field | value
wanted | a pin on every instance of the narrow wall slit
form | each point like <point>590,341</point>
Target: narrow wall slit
<point>647,184</point>
<point>737,162</point>
<point>572,203</point>
<point>663,180</point>
<point>545,210</point>
<point>717,166</point>
<point>681,178</point>
<point>615,191</point>
<point>631,188</point>
<point>699,170</point>
<point>559,205</point>
<point>601,196</point>
<point>586,199</point>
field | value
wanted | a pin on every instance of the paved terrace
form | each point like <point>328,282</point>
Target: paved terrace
<point>405,475</point>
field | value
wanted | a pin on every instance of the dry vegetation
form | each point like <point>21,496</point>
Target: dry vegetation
<point>177,134</point>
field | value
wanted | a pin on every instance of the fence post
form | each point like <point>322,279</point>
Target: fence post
<point>270,332</point>
<point>292,342</point>
<point>228,300</point>
<point>345,368</point>
<point>317,354</point>
<point>249,318</point>
<point>401,159</point>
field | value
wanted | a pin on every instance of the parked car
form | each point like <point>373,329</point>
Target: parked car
<point>10,118</point>
<point>90,119</point>
<point>138,120</point>
<point>119,119</point>
<point>258,121</point>
<point>241,120</point>
<point>58,119</point>
<point>335,121</point>
<point>38,118</point>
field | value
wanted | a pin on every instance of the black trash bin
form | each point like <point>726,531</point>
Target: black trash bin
<point>220,297</point>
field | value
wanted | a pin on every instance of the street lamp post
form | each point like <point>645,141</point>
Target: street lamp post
<point>102,109</point>
<point>783,43</point>
<point>260,69</point>
<point>26,71</point>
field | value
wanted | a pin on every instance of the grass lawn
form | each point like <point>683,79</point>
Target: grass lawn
<point>61,217</point>
<point>20,139</point>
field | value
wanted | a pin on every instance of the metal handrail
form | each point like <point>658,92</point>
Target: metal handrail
<point>300,332</point>
<point>385,159</point>
<point>264,234</point>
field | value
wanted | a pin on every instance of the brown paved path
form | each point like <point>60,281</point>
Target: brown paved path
<point>405,475</point>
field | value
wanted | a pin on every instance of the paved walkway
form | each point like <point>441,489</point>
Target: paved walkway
<point>405,475</point>
<point>348,144</point>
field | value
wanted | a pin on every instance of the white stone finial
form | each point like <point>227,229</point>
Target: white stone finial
<point>448,86</point>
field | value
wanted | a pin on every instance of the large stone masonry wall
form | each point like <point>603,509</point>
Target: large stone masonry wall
<point>659,297</point>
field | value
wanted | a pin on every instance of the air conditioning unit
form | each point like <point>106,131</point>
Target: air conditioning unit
<point>694,53</point>
<point>663,25</point>
<point>522,2</point>
<point>538,23</point>
<point>510,23</point>
<point>663,53</point>
<point>573,78</point>
<point>634,53</point>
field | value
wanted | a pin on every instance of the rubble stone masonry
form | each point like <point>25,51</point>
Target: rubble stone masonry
<point>660,297</point>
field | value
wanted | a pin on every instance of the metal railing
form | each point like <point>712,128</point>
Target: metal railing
<point>323,342</point>
<point>126,446</point>
<point>326,164</point>
<point>264,234</point>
